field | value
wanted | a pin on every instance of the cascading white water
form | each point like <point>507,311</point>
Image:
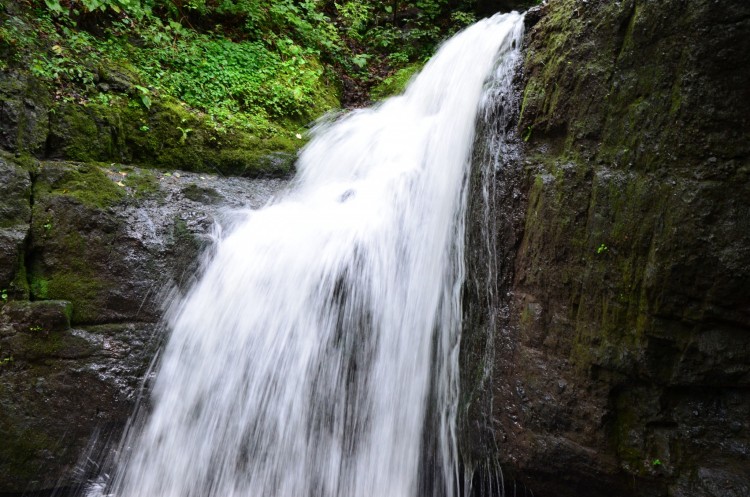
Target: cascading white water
<point>317,355</point>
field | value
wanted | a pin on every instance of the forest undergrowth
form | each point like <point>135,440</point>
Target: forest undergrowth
<point>261,66</point>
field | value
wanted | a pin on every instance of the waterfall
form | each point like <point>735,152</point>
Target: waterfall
<point>317,353</point>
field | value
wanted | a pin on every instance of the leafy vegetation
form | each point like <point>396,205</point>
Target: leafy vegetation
<point>264,66</point>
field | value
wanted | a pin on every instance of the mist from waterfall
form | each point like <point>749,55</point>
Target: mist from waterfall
<point>317,355</point>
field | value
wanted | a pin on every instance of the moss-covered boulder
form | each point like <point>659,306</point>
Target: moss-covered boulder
<point>166,135</point>
<point>119,129</point>
<point>618,362</point>
<point>78,86</point>
<point>102,249</point>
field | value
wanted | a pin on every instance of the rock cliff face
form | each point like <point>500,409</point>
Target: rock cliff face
<point>616,359</point>
<point>89,258</point>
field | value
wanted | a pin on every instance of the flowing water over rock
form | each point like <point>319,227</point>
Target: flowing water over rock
<point>317,355</point>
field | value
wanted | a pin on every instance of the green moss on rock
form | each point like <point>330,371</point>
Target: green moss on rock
<point>87,183</point>
<point>84,133</point>
<point>139,182</point>
<point>19,287</point>
<point>24,113</point>
<point>204,195</point>
<point>634,249</point>
<point>83,291</point>
<point>168,136</point>
<point>395,83</point>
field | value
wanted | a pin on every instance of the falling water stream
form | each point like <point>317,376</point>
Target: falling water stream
<point>317,354</point>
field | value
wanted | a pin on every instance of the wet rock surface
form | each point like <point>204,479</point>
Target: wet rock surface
<point>15,216</point>
<point>98,253</point>
<point>622,364</point>
<point>24,118</point>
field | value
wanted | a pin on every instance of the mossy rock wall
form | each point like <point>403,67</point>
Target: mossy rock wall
<point>166,136</point>
<point>24,113</point>
<point>120,129</point>
<point>622,365</point>
<point>94,254</point>
<point>15,216</point>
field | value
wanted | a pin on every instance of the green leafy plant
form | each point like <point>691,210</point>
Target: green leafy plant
<point>54,6</point>
<point>184,132</point>
<point>4,294</point>
<point>656,463</point>
<point>354,18</point>
<point>135,8</point>
<point>601,249</point>
<point>143,94</point>
<point>36,329</point>
<point>462,19</point>
<point>360,60</point>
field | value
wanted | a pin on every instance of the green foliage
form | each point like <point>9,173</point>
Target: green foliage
<point>263,69</point>
<point>143,95</point>
<point>184,136</point>
<point>601,249</point>
<point>411,31</point>
<point>461,19</point>
<point>4,294</point>
<point>263,66</point>
<point>223,77</point>
<point>354,18</point>
<point>135,8</point>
